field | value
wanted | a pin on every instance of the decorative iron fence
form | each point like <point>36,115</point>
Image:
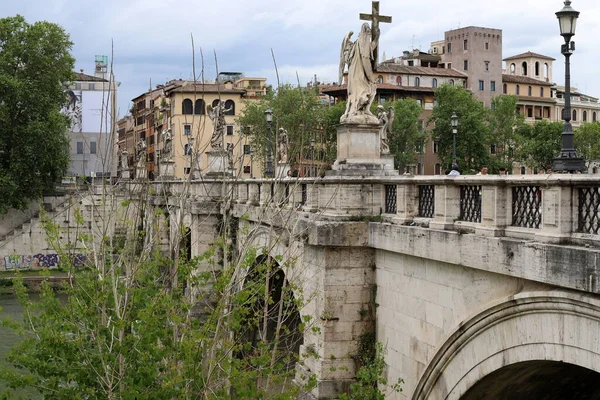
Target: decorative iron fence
<point>259,191</point>
<point>470,203</point>
<point>426,201</point>
<point>304,192</point>
<point>589,210</point>
<point>526,206</point>
<point>390,199</point>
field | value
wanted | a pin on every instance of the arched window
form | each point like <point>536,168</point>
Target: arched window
<point>594,116</point>
<point>199,107</point>
<point>187,107</point>
<point>517,90</point>
<point>215,102</point>
<point>187,149</point>
<point>438,169</point>
<point>574,115</point>
<point>513,68</point>
<point>537,68</point>
<point>529,91</point>
<point>546,70</point>
<point>451,81</point>
<point>230,104</point>
<point>417,82</point>
<point>585,116</point>
<point>541,92</point>
<point>504,88</point>
<point>434,83</point>
<point>524,68</point>
<point>399,81</point>
<point>380,79</point>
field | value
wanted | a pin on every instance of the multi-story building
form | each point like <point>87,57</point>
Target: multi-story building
<point>397,80</point>
<point>92,109</point>
<point>584,108</point>
<point>529,77</point>
<point>477,52</point>
<point>183,108</point>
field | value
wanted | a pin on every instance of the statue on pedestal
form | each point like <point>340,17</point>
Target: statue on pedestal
<point>386,120</point>
<point>167,150</point>
<point>140,149</point>
<point>361,80</point>
<point>284,145</point>
<point>217,115</point>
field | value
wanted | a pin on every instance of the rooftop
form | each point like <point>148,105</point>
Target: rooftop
<point>529,54</point>
<point>391,67</point>
<point>81,77</point>
<point>205,88</point>
<point>508,78</point>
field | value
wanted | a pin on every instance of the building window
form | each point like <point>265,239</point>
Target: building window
<point>517,90</point>
<point>438,169</point>
<point>78,86</point>
<point>530,112</point>
<point>449,47</point>
<point>434,83</point>
<point>465,44</point>
<point>493,149</point>
<point>574,115</point>
<point>186,170</point>
<point>585,116</point>
<point>380,79</point>
<point>481,85</point>
<point>487,65</point>
<point>504,88</point>
<point>466,65</point>
<point>92,86</point>
<point>79,147</point>
<point>187,129</point>
<point>187,107</point>
<point>229,104</point>
<point>229,130</point>
<point>93,148</point>
<point>449,65</point>
<point>594,116</point>
<point>451,82</point>
<point>529,91</point>
<point>513,68</point>
<point>541,92</point>
<point>199,107</point>
<point>411,63</point>
<point>436,147</point>
<point>246,169</point>
<point>187,149</point>
<point>487,45</point>
<point>537,68</point>
<point>546,70</point>
<point>524,68</point>
<point>247,149</point>
<point>417,82</point>
<point>493,86</point>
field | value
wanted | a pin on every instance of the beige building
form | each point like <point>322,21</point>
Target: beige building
<point>584,108</point>
<point>183,107</point>
<point>477,52</point>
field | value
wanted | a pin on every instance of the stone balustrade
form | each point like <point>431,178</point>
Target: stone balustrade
<point>553,208</point>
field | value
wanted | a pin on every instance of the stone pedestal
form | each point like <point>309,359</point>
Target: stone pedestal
<point>282,170</point>
<point>126,174</point>
<point>359,152</point>
<point>166,169</point>
<point>140,172</point>
<point>218,164</point>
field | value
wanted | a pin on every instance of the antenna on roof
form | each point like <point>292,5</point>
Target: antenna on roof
<point>412,44</point>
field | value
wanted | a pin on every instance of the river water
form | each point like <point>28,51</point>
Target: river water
<point>8,338</point>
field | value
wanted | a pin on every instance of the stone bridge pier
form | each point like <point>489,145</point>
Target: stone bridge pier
<point>478,287</point>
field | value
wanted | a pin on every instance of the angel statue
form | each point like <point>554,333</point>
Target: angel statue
<point>284,144</point>
<point>167,144</point>
<point>217,115</point>
<point>359,56</point>
<point>386,119</point>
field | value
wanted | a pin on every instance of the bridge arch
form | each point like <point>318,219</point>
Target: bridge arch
<point>556,329</point>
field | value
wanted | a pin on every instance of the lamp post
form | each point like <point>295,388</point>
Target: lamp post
<point>312,158</point>
<point>567,160</point>
<point>251,154</point>
<point>269,118</point>
<point>454,123</point>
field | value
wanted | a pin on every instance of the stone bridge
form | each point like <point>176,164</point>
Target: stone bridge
<point>478,286</point>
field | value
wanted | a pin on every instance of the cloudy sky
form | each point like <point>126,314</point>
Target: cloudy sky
<point>152,38</point>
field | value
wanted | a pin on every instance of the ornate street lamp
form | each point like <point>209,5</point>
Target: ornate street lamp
<point>567,160</point>
<point>454,123</point>
<point>269,118</point>
<point>251,154</point>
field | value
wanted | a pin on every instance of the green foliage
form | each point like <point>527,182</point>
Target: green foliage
<point>587,141</point>
<point>473,138</point>
<point>407,135</point>
<point>300,113</point>
<point>35,66</point>
<point>504,121</point>
<point>539,144</point>
<point>371,383</point>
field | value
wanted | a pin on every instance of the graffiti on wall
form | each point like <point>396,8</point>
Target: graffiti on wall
<point>25,262</point>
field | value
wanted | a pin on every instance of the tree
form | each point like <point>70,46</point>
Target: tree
<point>539,144</point>
<point>35,65</point>
<point>587,141</point>
<point>300,113</point>
<point>472,140</point>
<point>503,122</point>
